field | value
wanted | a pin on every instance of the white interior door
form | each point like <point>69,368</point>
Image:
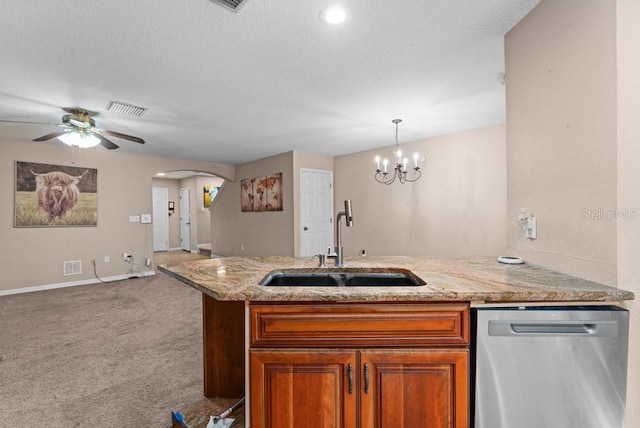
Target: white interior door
<point>185,219</point>
<point>316,211</point>
<point>160,201</point>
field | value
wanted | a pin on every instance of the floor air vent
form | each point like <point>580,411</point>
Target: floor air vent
<point>230,4</point>
<point>72,268</point>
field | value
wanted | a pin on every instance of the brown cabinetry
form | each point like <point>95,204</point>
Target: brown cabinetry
<point>359,365</point>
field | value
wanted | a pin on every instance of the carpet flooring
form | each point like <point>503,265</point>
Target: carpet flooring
<point>122,354</point>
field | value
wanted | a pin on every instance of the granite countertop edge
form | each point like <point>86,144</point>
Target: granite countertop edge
<point>475,279</point>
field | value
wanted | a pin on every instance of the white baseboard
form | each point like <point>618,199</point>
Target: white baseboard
<point>75,283</point>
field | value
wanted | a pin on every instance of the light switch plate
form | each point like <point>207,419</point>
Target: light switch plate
<point>145,218</point>
<point>134,219</point>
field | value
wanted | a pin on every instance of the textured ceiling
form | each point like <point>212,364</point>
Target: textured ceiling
<point>232,87</point>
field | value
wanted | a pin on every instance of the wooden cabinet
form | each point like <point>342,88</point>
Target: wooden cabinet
<point>423,388</point>
<point>359,365</point>
<point>303,389</point>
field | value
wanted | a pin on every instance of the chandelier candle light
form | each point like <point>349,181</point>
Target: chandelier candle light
<point>400,169</point>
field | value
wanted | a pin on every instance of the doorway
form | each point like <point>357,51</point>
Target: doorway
<point>160,200</point>
<point>189,219</point>
<point>316,211</point>
<point>185,219</point>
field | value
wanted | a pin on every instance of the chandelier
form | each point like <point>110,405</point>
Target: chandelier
<point>400,166</point>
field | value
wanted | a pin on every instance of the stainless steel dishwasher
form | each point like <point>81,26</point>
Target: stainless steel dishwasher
<point>550,367</point>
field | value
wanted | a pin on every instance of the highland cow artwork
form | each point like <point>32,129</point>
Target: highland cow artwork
<point>261,193</point>
<point>53,195</point>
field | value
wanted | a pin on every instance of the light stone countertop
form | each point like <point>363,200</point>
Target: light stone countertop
<point>475,279</point>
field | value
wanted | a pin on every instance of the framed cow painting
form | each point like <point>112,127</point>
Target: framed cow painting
<point>54,195</point>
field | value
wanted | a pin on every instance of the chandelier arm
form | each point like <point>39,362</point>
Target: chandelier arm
<point>384,179</point>
<point>416,171</point>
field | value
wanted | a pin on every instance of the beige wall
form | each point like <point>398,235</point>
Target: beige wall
<point>561,129</point>
<point>457,208</point>
<point>628,106</point>
<point>34,256</point>
<point>236,233</point>
<point>262,233</point>
<point>573,98</point>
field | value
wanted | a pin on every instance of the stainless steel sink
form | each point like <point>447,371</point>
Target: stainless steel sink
<point>288,279</point>
<point>342,277</point>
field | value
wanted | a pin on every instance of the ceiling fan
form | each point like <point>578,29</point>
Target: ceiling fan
<point>80,130</point>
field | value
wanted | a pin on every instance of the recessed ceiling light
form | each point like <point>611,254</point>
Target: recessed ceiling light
<point>334,15</point>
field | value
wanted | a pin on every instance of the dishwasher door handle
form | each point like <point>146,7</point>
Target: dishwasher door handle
<point>520,328</point>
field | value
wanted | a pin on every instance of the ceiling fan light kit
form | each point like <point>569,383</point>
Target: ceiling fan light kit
<point>82,140</point>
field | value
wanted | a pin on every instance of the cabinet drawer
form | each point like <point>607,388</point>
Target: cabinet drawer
<point>357,324</point>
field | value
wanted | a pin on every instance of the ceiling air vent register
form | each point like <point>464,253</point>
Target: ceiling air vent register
<point>125,108</point>
<point>229,4</point>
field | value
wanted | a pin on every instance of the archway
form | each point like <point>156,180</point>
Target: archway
<point>186,224</point>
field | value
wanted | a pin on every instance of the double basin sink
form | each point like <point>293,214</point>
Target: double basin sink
<point>342,277</point>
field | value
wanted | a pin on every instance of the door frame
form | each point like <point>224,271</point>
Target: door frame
<point>301,225</point>
<point>185,238</point>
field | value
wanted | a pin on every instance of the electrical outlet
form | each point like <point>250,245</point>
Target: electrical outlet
<point>127,257</point>
<point>107,259</point>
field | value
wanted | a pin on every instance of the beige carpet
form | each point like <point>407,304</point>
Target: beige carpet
<point>120,354</point>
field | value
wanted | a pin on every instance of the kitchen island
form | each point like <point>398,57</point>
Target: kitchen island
<point>357,338</point>
<point>476,279</point>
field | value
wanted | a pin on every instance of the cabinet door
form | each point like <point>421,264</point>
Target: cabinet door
<point>414,389</point>
<point>311,389</point>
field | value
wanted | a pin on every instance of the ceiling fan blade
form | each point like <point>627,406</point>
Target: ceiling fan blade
<point>50,136</point>
<point>24,121</point>
<point>123,136</point>
<point>106,143</point>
